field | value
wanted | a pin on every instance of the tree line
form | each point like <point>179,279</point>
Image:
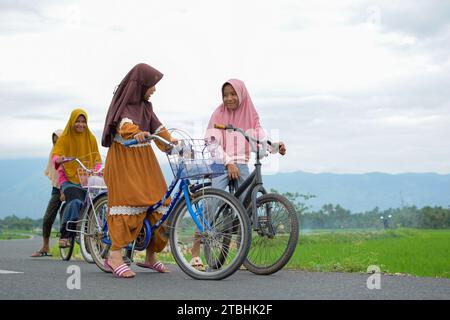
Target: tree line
<point>336,217</point>
<point>15,223</point>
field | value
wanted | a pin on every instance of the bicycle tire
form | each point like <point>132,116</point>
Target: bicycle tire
<point>97,248</point>
<point>179,237</point>
<point>217,262</point>
<point>84,248</point>
<point>66,253</point>
<point>265,243</point>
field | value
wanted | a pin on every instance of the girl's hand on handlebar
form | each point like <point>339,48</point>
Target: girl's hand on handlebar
<point>60,159</point>
<point>174,142</point>
<point>233,171</point>
<point>282,149</point>
<point>142,137</point>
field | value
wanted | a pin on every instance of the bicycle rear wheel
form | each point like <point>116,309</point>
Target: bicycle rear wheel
<point>66,253</point>
<point>274,243</point>
<point>223,247</point>
<point>97,231</point>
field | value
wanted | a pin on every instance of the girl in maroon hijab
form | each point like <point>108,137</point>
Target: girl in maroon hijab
<point>132,174</point>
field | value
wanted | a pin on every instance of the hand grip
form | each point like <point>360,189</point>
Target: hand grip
<point>68,159</point>
<point>130,142</point>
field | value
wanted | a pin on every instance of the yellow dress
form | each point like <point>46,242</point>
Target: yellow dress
<point>135,182</point>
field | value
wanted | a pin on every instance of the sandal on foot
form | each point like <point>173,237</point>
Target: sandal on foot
<point>197,263</point>
<point>40,254</point>
<point>157,266</point>
<point>64,243</point>
<point>118,271</point>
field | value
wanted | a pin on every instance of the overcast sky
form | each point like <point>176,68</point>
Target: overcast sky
<point>350,88</point>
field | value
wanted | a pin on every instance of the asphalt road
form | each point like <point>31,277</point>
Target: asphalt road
<point>23,278</point>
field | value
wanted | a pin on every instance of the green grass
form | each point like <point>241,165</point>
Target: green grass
<point>11,234</point>
<point>404,251</point>
<point>76,255</point>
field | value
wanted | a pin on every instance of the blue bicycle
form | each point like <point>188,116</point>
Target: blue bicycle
<point>210,216</point>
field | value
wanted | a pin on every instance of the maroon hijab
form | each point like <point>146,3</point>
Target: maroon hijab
<point>128,102</point>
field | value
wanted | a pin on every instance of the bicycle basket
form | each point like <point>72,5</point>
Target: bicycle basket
<point>194,158</point>
<point>90,180</point>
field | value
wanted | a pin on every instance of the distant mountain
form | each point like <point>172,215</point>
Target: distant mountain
<point>364,192</point>
<point>24,190</point>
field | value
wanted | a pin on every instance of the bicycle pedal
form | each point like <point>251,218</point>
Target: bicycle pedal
<point>264,227</point>
<point>263,221</point>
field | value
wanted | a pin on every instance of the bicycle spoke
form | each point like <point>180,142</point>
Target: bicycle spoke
<point>273,244</point>
<point>219,246</point>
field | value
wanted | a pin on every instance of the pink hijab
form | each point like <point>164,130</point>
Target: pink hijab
<point>236,148</point>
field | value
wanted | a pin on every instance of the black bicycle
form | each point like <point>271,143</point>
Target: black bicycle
<point>275,227</point>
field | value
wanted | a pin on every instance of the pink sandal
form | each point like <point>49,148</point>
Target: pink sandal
<point>118,271</point>
<point>157,266</point>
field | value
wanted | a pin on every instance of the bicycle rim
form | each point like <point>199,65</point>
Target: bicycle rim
<point>274,243</point>
<point>97,219</point>
<point>222,248</point>
<point>66,253</point>
<point>84,247</point>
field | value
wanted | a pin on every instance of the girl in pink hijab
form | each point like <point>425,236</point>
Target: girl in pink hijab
<point>238,110</point>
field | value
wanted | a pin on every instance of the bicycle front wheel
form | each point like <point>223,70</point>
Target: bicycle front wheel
<point>97,231</point>
<point>84,249</point>
<point>224,242</point>
<point>275,240</point>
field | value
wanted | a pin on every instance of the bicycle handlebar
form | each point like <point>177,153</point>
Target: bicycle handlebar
<point>249,139</point>
<point>220,126</point>
<point>132,142</point>
<point>69,159</point>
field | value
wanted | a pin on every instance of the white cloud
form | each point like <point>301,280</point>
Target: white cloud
<point>346,86</point>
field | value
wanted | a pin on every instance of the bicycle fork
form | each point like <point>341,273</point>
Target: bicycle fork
<point>196,215</point>
<point>261,224</point>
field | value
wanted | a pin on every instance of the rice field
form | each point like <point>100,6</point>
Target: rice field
<point>402,251</point>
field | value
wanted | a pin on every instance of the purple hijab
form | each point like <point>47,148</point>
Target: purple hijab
<point>128,102</point>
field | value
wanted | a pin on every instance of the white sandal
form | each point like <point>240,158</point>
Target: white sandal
<point>197,263</point>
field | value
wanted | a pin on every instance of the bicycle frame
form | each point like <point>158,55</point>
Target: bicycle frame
<point>254,181</point>
<point>182,193</point>
<point>182,189</point>
<point>87,203</point>
<point>255,184</point>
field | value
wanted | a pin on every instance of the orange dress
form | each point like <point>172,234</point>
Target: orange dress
<point>135,182</point>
